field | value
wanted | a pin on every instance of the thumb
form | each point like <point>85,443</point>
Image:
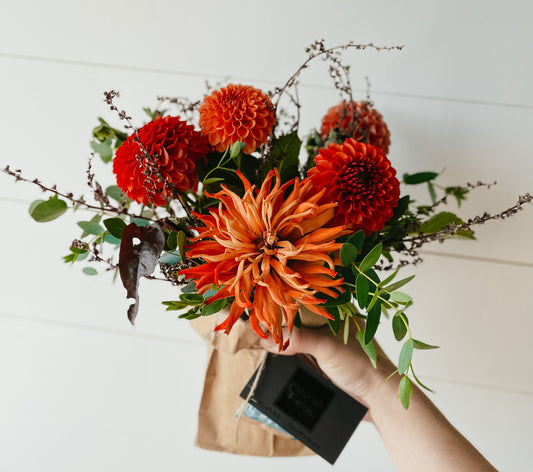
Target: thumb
<point>301,341</point>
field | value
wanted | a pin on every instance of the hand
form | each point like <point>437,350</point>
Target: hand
<point>347,366</point>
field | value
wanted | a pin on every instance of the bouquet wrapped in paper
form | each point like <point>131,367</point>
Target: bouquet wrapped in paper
<point>218,197</point>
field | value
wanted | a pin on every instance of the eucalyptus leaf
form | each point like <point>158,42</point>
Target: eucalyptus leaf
<point>346,333</point>
<point>372,322</point>
<point>398,327</point>
<point>115,226</point>
<point>406,354</point>
<point>357,239</point>
<point>419,178</point>
<point>103,149</point>
<point>420,345</point>
<point>214,307</point>
<point>115,193</point>
<point>397,285</point>
<point>47,210</point>
<point>347,254</point>
<point>405,391</point>
<point>89,271</point>
<point>90,227</point>
<point>371,258</point>
<point>401,298</point>
<point>174,305</point>
<point>361,291</point>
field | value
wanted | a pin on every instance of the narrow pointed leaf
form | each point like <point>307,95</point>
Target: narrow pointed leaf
<point>371,258</point>
<point>405,391</point>
<point>406,354</point>
<point>361,291</point>
<point>421,345</point>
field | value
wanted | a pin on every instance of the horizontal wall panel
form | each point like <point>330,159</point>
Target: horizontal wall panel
<point>454,49</point>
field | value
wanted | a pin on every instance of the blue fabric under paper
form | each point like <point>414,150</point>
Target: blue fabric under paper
<point>252,412</point>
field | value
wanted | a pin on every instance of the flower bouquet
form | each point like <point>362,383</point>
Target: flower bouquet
<point>217,196</point>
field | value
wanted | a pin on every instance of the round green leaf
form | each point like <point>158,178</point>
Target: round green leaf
<point>398,327</point>
<point>47,210</point>
<point>89,271</point>
<point>91,227</point>
<point>348,254</point>
<point>115,226</point>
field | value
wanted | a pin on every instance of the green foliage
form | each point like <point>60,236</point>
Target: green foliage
<point>399,326</point>
<point>441,220</point>
<point>348,254</point>
<point>106,140</point>
<point>368,348</point>
<point>371,258</point>
<point>89,271</point>
<point>419,178</point>
<point>406,355</point>
<point>115,226</point>
<point>47,210</point>
<point>91,227</point>
<point>405,391</point>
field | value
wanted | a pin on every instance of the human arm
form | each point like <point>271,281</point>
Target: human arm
<point>417,439</point>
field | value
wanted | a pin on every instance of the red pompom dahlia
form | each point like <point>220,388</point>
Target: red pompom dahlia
<point>370,127</point>
<point>237,113</point>
<point>164,164</point>
<point>361,179</point>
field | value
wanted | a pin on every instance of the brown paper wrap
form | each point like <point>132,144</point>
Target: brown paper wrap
<point>231,361</point>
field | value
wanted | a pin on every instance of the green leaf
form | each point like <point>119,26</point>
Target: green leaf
<point>286,152</point>
<point>91,227</point>
<point>89,271</point>
<point>47,210</point>
<point>346,333</point>
<point>115,193</point>
<point>398,327</point>
<point>439,222</point>
<point>115,226</point>
<point>335,324</point>
<point>361,291</point>
<point>406,354</point>
<point>419,178</point>
<point>432,193</point>
<point>401,298</point>
<point>214,307</point>
<point>421,345</point>
<point>192,298</point>
<point>390,278</point>
<point>236,149</point>
<point>212,180</point>
<point>372,322</point>
<point>405,391</point>
<point>174,305</point>
<point>171,241</point>
<point>371,258</point>
<point>347,254</point>
<point>104,149</point>
<point>369,348</point>
<point>357,239</point>
<point>397,285</point>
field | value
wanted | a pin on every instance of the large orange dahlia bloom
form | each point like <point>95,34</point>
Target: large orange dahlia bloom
<point>237,113</point>
<point>369,128</point>
<point>361,179</point>
<point>165,163</point>
<point>270,251</point>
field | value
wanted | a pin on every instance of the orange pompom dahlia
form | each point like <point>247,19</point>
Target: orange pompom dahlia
<point>370,127</point>
<point>237,113</point>
<point>270,251</point>
<point>164,164</point>
<point>361,179</point>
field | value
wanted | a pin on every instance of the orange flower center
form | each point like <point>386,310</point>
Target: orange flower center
<point>267,244</point>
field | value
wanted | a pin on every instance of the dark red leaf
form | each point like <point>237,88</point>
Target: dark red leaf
<point>138,260</point>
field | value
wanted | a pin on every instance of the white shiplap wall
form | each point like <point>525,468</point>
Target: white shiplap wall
<point>82,390</point>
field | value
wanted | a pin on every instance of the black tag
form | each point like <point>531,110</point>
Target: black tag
<point>308,406</point>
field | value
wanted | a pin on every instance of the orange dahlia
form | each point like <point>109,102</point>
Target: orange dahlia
<point>237,113</point>
<point>370,127</point>
<point>361,179</point>
<point>164,164</point>
<point>270,251</point>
